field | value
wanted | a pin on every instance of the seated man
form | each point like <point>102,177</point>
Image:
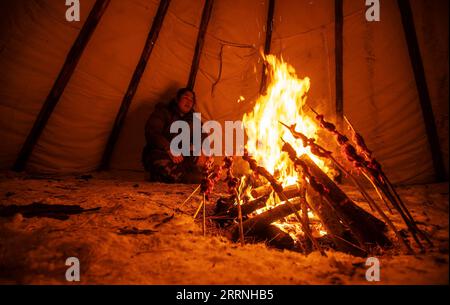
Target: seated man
<point>157,158</point>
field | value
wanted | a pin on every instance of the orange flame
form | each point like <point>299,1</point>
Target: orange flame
<point>283,102</point>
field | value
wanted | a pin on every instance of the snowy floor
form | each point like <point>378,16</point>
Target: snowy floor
<point>34,250</point>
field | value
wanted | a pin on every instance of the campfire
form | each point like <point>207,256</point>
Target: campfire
<point>289,198</point>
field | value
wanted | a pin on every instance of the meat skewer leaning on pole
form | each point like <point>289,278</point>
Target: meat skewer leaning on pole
<point>319,151</point>
<point>373,163</point>
<point>372,172</point>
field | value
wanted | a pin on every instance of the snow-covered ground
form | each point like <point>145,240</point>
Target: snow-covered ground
<point>34,250</point>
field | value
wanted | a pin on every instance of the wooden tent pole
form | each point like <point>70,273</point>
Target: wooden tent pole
<point>134,82</point>
<point>339,59</point>
<point>422,88</point>
<point>267,44</point>
<point>206,14</point>
<point>61,82</point>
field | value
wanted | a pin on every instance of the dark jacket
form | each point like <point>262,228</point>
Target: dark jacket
<point>157,130</point>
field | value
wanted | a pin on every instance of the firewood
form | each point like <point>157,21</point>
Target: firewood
<point>278,188</point>
<point>289,191</point>
<point>246,208</point>
<point>266,218</point>
<point>366,228</point>
<point>322,152</point>
<point>338,233</point>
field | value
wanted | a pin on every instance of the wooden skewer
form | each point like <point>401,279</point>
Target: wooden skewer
<point>204,215</point>
<point>386,218</point>
<point>391,193</point>
<point>198,209</point>
<point>405,218</point>
<point>192,194</point>
<point>355,182</point>
<point>391,187</point>
<point>377,191</point>
<point>349,124</point>
<point>381,188</point>
<point>375,206</point>
<point>339,165</point>
<point>189,197</point>
<point>241,227</point>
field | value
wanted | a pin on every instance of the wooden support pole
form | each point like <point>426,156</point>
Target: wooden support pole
<point>267,44</point>
<point>134,82</point>
<point>339,59</point>
<point>422,88</point>
<point>200,41</point>
<point>61,82</point>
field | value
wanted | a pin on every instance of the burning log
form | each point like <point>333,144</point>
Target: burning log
<point>277,238</point>
<point>246,208</point>
<point>290,191</point>
<point>338,233</point>
<point>261,221</point>
<point>278,188</point>
<point>367,229</point>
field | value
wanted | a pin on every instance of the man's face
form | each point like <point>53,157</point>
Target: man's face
<point>186,102</point>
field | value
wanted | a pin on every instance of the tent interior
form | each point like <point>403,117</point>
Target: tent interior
<point>68,138</point>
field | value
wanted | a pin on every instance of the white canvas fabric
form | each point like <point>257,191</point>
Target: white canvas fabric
<point>380,95</point>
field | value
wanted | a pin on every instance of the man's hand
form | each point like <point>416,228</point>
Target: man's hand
<point>175,159</point>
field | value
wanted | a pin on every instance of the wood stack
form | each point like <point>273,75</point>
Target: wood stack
<point>349,228</point>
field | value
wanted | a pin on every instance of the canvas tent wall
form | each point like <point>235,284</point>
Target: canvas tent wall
<point>380,95</point>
